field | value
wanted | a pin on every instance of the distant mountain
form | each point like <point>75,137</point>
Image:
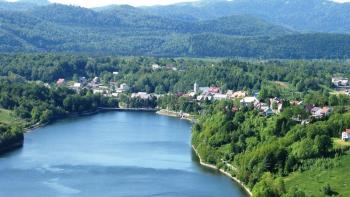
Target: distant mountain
<point>35,2</point>
<point>125,30</point>
<point>301,15</point>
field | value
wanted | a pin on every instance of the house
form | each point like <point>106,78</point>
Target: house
<point>345,135</point>
<point>77,85</point>
<point>115,73</point>
<point>249,101</point>
<point>214,90</point>
<point>97,91</point>
<point>220,96</point>
<point>204,90</point>
<point>340,81</point>
<point>96,80</point>
<point>276,104</point>
<point>296,103</point>
<point>318,112</point>
<point>60,82</point>
<point>141,95</point>
<point>155,66</point>
<point>82,80</point>
<point>123,88</point>
<point>236,95</point>
<point>267,111</point>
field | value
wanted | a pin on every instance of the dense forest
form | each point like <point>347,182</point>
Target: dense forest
<point>34,103</point>
<point>265,151</point>
<point>125,30</point>
<point>137,72</point>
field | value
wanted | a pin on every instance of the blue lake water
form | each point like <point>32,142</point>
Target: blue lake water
<point>127,154</point>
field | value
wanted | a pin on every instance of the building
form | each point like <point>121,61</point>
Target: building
<point>123,88</point>
<point>276,104</point>
<point>155,66</point>
<point>214,90</point>
<point>82,80</point>
<point>220,97</point>
<point>60,82</point>
<point>340,81</point>
<point>195,87</point>
<point>236,95</point>
<point>318,112</point>
<point>345,136</point>
<point>141,95</point>
<point>115,73</point>
<point>249,101</point>
<point>77,86</point>
<point>204,90</point>
<point>96,80</point>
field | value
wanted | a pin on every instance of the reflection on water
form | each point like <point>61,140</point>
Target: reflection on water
<point>111,154</point>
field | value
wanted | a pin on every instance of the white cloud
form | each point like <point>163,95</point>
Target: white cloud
<point>95,3</point>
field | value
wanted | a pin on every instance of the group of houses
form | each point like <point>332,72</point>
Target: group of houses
<point>95,85</point>
<point>214,93</point>
<point>275,105</point>
<point>341,84</point>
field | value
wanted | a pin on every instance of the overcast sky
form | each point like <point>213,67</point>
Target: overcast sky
<point>98,3</point>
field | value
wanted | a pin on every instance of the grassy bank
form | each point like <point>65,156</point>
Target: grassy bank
<point>313,181</point>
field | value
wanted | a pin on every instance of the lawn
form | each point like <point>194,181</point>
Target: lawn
<point>312,181</point>
<point>6,117</point>
<point>340,143</point>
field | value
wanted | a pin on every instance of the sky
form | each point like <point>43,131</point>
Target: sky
<point>99,3</point>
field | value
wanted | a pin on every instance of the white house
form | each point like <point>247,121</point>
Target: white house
<point>155,66</point>
<point>249,101</point>
<point>340,81</point>
<point>141,95</point>
<point>220,96</point>
<point>345,136</point>
<point>123,88</point>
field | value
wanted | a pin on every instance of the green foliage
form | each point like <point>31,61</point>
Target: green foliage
<point>131,31</point>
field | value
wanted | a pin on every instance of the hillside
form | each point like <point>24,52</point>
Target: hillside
<point>301,15</point>
<point>125,30</point>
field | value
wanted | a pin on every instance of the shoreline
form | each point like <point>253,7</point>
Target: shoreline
<point>247,190</point>
<point>164,112</point>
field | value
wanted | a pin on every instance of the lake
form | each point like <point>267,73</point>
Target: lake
<point>127,154</point>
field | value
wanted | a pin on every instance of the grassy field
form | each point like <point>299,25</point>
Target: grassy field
<point>340,143</point>
<point>6,117</point>
<point>312,181</point>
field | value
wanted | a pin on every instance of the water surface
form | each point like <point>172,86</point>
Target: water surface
<point>127,154</point>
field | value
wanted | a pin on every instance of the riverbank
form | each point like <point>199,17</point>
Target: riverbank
<point>175,114</point>
<point>223,172</point>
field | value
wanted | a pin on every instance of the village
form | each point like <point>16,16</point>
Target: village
<point>204,94</point>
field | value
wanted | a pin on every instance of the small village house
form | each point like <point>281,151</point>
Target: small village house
<point>340,81</point>
<point>60,82</point>
<point>345,136</point>
<point>249,101</point>
<point>236,95</point>
<point>155,67</point>
<point>141,95</point>
<point>318,112</point>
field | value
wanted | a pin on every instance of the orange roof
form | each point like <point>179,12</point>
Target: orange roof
<point>347,130</point>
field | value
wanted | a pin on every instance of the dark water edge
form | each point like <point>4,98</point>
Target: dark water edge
<point>111,154</point>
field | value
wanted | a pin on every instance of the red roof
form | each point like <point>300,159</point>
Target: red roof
<point>214,90</point>
<point>347,130</point>
<point>60,81</point>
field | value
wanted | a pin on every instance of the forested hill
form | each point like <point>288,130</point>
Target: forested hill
<point>302,15</point>
<point>126,30</point>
